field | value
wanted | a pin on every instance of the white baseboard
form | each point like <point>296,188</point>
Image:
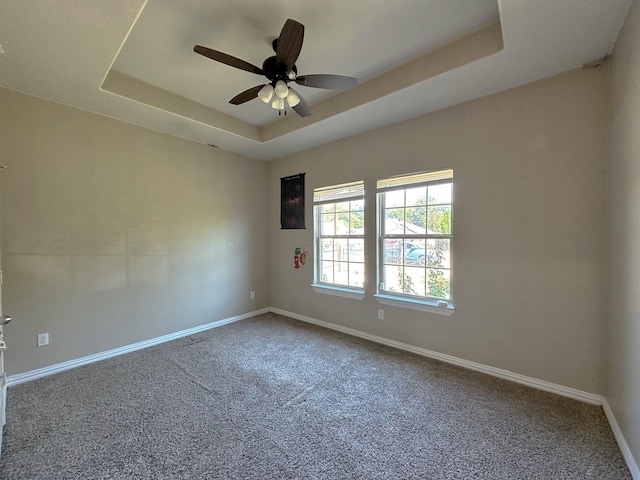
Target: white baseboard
<point>496,372</point>
<point>479,367</point>
<point>622,443</point>
<point>61,367</point>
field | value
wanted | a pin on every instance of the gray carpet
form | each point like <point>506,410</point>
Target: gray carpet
<point>271,397</point>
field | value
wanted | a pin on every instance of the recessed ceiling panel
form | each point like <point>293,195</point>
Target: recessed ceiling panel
<point>360,38</point>
<point>133,60</point>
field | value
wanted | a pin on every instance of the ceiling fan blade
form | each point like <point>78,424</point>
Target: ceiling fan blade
<point>245,96</point>
<point>289,43</point>
<point>333,82</point>
<point>227,59</point>
<point>302,108</point>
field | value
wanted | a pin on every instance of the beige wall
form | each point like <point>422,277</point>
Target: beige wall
<point>113,234</point>
<point>529,228</point>
<point>623,374</point>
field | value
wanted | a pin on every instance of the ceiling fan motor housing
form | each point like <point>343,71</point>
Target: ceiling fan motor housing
<point>275,71</point>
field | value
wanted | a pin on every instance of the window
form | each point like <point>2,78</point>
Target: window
<point>414,240</point>
<point>339,239</point>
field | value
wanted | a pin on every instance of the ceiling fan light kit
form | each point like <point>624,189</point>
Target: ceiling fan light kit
<point>280,70</point>
<point>278,103</point>
<point>293,98</point>
<point>266,93</point>
<point>281,89</point>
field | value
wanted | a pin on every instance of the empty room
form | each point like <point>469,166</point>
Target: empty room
<point>320,240</point>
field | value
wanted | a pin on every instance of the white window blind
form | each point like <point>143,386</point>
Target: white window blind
<point>412,179</point>
<point>337,193</point>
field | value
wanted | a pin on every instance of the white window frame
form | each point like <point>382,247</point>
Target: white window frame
<point>333,194</point>
<point>388,297</point>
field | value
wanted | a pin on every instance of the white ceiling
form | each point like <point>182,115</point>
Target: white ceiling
<point>133,59</point>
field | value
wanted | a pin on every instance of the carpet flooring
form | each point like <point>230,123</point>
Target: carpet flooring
<point>275,398</point>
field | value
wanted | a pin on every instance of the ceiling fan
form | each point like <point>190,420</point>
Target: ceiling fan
<point>280,69</point>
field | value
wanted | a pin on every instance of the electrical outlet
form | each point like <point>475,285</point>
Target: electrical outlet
<point>252,295</point>
<point>380,314</point>
<point>43,339</point>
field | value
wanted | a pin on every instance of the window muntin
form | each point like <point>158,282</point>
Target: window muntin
<point>339,235</point>
<point>414,223</point>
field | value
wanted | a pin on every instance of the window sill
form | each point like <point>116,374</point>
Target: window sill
<point>422,305</point>
<point>338,291</point>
